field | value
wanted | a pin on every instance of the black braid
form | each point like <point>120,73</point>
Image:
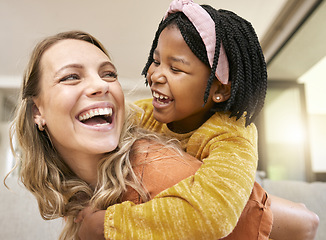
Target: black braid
<point>247,74</point>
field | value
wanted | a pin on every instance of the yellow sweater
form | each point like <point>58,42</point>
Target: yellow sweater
<point>204,206</point>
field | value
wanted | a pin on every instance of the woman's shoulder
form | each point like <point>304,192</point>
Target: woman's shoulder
<point>161,166</point>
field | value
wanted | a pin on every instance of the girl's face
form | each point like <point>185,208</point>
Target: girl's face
<point>178,81</point>
<point>81,101</point>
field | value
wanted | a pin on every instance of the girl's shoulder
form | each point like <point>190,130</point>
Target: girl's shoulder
<point>144,103</point>
<point>221,125</point>
<point>224,119</point>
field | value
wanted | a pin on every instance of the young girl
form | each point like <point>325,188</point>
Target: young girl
<point>208,78</point>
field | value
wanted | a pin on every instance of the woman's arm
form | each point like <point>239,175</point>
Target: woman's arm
<point>91,224</point>
<point>292,220</point>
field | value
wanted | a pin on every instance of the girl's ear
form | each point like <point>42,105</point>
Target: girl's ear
<point>222,93</point>
<point>38,118</point>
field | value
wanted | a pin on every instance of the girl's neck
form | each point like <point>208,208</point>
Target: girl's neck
<point>189,124</point>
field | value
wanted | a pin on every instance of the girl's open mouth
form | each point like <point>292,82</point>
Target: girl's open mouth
<point>160,98</point>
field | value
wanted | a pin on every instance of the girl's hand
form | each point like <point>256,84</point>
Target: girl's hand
<point>92,224</point>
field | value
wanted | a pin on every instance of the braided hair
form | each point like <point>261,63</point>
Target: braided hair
<point>247,74</point>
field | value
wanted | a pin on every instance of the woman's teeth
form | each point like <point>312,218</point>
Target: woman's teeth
<point>107,112</point>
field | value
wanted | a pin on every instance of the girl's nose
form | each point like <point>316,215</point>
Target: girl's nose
<point>156,75</point>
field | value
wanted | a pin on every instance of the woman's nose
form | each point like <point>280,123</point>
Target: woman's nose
<point>97,86</point>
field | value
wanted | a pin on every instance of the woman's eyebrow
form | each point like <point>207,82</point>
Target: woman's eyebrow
<point>108,63</point>
<point>80,66</point>
<point>73,65</point>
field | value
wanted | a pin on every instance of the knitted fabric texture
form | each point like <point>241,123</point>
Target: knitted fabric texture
<point>206,205</point>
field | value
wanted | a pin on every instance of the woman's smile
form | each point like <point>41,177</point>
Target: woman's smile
<point>80,91</point>
<point>98,116</point>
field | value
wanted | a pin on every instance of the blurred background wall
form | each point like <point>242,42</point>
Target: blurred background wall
<point>292,129</point>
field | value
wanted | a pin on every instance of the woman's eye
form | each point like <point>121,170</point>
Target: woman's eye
<point>110,75</point>
<point>70,77</point>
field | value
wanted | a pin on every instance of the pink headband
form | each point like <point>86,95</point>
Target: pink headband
<point>205,26</point>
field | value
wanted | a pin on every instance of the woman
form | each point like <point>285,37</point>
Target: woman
<point>70,119</point>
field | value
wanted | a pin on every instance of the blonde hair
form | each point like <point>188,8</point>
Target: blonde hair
<point>59,192</point>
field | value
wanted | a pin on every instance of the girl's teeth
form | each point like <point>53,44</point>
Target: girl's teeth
<point>158,96</point>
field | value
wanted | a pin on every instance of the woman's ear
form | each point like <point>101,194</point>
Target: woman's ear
<point>222,93</point>
<point>38,118</point>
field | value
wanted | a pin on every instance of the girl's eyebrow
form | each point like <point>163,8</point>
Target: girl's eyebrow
<point>179,59</point>
<point>174,59</point>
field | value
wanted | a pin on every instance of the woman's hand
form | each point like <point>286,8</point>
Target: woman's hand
<point>92,224</point>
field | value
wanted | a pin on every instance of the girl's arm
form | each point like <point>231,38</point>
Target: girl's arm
<point>204,206</point>
<point>158,169</point>
<point>290,219</point>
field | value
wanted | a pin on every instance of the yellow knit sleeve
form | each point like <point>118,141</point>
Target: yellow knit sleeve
<point>171,217</point>
<point>204,206</point>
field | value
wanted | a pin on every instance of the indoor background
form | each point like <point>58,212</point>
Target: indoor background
<point>292,126</point>
<point>292,33</point>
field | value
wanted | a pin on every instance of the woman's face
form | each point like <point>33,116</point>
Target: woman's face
<point>81,100</point>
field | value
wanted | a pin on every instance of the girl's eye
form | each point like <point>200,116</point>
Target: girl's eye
<point>70,77</point>
<point>156,63</point>
<point>175,69</point>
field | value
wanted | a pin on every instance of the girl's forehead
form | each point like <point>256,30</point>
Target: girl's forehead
<point>172,40</point>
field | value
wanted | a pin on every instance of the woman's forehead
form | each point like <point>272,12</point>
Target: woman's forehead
<point>72,51</point>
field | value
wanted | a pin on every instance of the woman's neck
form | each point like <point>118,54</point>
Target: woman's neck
<point>85,168</point>
<point>88,173</point>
